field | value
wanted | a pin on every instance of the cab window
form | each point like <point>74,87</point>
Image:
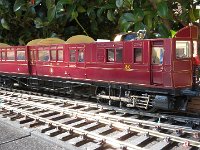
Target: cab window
<point>119,55</point>
<point>114,55</point>
<point>137,55</point>
<point>183,49</point>
<point>110,55</point>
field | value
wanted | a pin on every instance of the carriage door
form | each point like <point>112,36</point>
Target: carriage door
<point>32,60</point>
<point>157,53</point>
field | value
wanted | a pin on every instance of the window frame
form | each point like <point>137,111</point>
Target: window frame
<point>43,60</point>
<point>3,52</point>
<point>70,56</point>
<point>23,55</point>
<point>189,50</point>
<point>134,55</point>
<point>58,54</point>
<point>51,58</point>
<point>161,55</point>
<point>82,52</point>
<point>114,58</point>
<point>13,57</point>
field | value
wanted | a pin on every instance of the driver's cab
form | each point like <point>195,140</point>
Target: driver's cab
<point>184,57</point>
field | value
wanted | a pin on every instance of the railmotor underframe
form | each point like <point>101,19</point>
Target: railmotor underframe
<point>146,73</point>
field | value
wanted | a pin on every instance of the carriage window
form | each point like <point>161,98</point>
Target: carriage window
<point>43,55</point>
<point>137,55</point>
<point>3,55</point>
<point>183,49</point>
<point>157,55</point>
<point>119,55</point>
<point>10,55</point>
<point>60,55</point>
<point>72,55</point>
<point>53,55</point>
<point>80,56</point>
<point>20,55</point>
<point>110,55</point>
<point>195,53</point>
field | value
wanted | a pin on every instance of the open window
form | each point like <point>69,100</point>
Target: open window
<point>157,55</point>
<point>183,49</point>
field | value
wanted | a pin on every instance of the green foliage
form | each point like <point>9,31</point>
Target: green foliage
<point>163,10</point>
<point>5,24</point>
<point>21,21</point>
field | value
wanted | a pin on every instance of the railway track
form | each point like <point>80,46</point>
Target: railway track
<point>91,126</point>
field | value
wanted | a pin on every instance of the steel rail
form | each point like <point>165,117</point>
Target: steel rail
<point>114,123</point>
<point>88,104</point>
<point>111,117</point>
<point>111,141</point>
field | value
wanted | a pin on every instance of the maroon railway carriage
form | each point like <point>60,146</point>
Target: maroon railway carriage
<point>142,73</point>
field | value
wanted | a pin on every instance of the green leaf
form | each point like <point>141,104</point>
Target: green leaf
<point>66,1</point>
<point>124,27</point>
<point>74,15</point>
<point>18,5</point>
<point>50,3</point>
<point>94,27</point>
<point>110,15</point>
<point>163,31</point>
<point>138,15</point>
<point>119,3</point>
<point>139,26</point>
<point>197,13</point>
<point>99,12</point>
<point>163,10</point>
<point>5,24</point>
<point>148,21</point>
<point>59,8</point>
<point>158,1</point>
<point>81,9</point>
<point>38,23</point>
<point>91,13</point>
<point>51,13</point>
<point>192,15</point>
<point>37,2</point>
<point>172,33</point>
<point>129,17</point>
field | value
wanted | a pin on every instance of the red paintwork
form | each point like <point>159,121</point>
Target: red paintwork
<point>14,66</point>
<point>173,73</point>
